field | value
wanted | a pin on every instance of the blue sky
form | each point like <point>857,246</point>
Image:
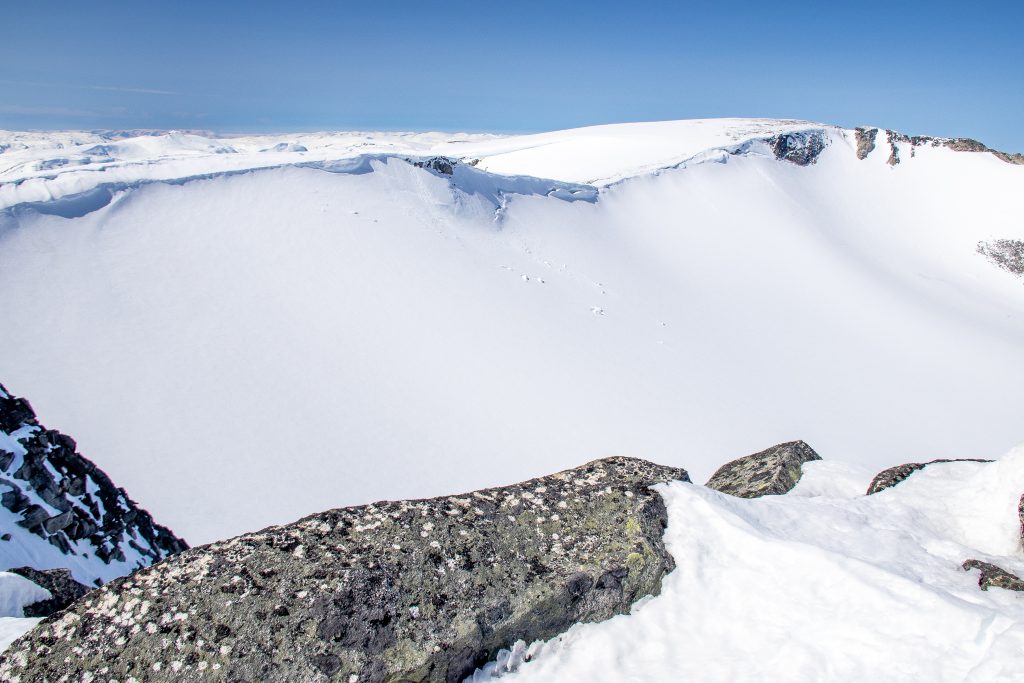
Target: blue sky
<point>938,68</point>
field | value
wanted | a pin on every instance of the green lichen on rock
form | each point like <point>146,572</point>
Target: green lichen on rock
<point>771,472</point>
<point>421,590</point>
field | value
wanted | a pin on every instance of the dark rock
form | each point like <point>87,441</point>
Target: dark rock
<point>800,148</point>
<point>991,575</point>
<point>894,475</point>
<point>81,503</point>
<point>63,588</point>
<point>1020,516</point>
<point>771,472</point>
<point>1006,254</point>
<point>894,154</point>
<point>442,165</point>
<point>865,141</point>
<point>423,590</point>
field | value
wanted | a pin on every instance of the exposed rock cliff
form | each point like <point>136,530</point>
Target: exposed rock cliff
<point>421,590</point>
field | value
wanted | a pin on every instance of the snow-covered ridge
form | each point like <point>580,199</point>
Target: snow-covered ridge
<point>42,167</point>
<point>294,331</point>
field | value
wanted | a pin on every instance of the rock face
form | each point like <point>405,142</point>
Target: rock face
<point>421,590</point>
<point>865,141</point>
<point>63,588</point>
<point>771,472</point>
<point>991,575</point>
<point>442,165</point>
<point>800,148</point>
<point>58,497</point>
<point>894,475</point>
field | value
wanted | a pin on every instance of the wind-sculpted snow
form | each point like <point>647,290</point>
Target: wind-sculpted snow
<point>810,587</point>
<point>271,339</point>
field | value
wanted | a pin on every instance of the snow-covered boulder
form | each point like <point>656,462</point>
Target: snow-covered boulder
<point>773,471</point>
<point>59,583</point>
<point>888,478</point>
<point>423,590</point>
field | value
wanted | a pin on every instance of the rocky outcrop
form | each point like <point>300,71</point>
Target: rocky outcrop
<point>771,472</point>
<point>61,498</point>
<point>801,148</point>
<point>894,475</point>
<point>442,165</point>
<point>991,575</point>
<point>423,590</point>
<point>63,588</point>
<point>865,138</point>
<point>1006,254</point>
<point>865,141</point>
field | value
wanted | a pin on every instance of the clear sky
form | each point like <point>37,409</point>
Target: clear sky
<point>940,68</point>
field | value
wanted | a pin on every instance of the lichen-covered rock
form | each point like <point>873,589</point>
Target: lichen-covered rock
<point>422,590</point>
<point>991,575</point>
<point>59,497</point>
<point>894,475</point>
<point>771,472</point>
<point>63,588</point>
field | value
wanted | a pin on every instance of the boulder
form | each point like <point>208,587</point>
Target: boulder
<point>771,472</point>
<point>894,475</point>
<point>63,588</point>
<point>991,575</point>
<point>422,590</point>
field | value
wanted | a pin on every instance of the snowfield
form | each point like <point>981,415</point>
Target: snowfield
<point>240,332</point>
<point>823,583</point>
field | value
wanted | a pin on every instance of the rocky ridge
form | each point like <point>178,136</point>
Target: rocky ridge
<point>58,497</point>
<point>423,590</point>
<point>865,140</point>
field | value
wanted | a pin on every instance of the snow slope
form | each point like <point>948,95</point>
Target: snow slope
<point>342,326</point>
<point>815,586</point>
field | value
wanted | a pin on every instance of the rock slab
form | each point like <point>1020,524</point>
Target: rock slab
<point>423,590</point>
<point>771,472</point>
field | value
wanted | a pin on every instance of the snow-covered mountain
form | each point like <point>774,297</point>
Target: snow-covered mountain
<point>270,326</point>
